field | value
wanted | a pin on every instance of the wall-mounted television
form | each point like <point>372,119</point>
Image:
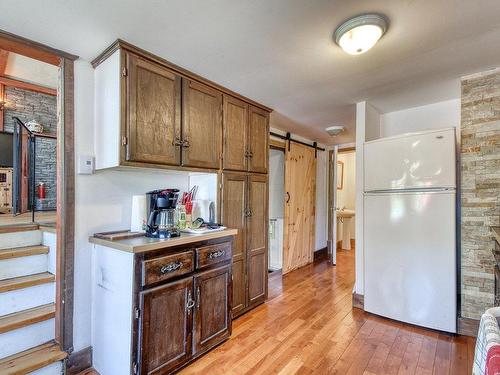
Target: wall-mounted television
<point>6,149</point>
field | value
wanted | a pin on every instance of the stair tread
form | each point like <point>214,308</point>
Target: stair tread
<point>18,228</point>
<point>27,317</point>
<point>32,359</point>
<point>16,252</point>
<point>26,281</point>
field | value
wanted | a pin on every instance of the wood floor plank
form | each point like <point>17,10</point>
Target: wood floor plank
<point>308,326</point>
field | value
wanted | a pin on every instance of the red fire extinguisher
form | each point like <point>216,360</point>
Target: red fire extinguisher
<point>41,190</point>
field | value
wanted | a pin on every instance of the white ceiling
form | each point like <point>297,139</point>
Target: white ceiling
<point>280,52</point>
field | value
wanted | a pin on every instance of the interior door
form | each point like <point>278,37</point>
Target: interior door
<point>258,140</point>
<point>153,112</point>
<point>235,134</point>
<point>201,126</point>
<point>300,191</point>
<point>234,187</point>
<point>212,316</point>
<point>165,327</point>
<point>257,234</point>
<point>332,206</point>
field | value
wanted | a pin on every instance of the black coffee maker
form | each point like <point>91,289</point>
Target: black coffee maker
<point>161,213</point>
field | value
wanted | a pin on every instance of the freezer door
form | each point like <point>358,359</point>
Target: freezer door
<point>410,258</point>
<point>421,160</point>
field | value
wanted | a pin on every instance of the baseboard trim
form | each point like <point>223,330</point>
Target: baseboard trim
<point>79,361</point>
<point>320,254</point>
<point>467,326</point>
<point>358,301</point>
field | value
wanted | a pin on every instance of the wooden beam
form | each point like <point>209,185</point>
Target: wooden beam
<point>2,98</point>
<point>65,223</point>
<point>27,86</point>
<point>30,48</point>
<point>4,55</point>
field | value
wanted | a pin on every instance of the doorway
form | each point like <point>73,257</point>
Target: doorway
<point>342,201</point>
<point>276,207</point>
<point>56,146</point>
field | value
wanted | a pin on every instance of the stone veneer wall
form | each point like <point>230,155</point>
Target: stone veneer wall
<point>30,105</point>
<point>480,196</point>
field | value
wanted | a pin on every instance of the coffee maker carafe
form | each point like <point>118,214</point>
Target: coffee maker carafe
<point>161,213</point>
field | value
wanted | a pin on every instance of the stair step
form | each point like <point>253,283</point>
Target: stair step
<point>26,281</point>
<point>27,317</point>
<point>18,228</point>
<point>19,239</point>
<point>32,359</point>
<point>24,251</point>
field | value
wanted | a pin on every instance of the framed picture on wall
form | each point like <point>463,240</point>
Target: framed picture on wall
<point>340,175</point>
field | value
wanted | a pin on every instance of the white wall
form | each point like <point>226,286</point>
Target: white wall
<point>432,116</point>
<point>346,197</point>
<point>102,201</point>
<point>276,184</point>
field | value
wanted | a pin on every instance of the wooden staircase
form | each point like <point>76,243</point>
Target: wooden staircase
<point>27,308</point>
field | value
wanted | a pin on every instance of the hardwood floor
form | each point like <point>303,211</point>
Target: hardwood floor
<point>309,327</point>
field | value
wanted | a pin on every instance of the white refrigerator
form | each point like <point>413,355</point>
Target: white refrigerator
<point>410,227</point>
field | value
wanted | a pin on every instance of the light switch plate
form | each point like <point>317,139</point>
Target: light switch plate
<point>85,164</point>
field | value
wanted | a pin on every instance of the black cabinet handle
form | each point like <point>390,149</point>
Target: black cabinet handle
<point>287,197</point>
<point>171,267</point>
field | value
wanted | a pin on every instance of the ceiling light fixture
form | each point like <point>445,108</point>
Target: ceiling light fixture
<point>357,35</point>
<point>334,130</point>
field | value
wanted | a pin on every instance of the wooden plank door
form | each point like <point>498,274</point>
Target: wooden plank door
<point>165,326</point>
<point>212,315</point>
<point>153,112</point>
<point>235,134</point>
<point>201,126</point>
<point>234,187</point>
<point>300,191</point>
<point>257,234</point>
<point>258,140</point>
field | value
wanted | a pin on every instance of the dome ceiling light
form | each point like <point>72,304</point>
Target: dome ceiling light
<point>333,131</point>
<point>357,35</point>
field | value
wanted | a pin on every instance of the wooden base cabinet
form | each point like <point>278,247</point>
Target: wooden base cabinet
<point>172,304</point>
<point>245,198</point>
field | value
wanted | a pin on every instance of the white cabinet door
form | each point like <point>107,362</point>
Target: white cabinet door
<point>410,258</point>
<point>420,160</point>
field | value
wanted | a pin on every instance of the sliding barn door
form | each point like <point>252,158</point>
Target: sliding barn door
<point>300,199</point>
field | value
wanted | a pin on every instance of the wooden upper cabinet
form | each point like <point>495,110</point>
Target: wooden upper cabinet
<point>235,134</point>
<point>258,139</point>
<point>202,126</point>
<point>257,230</point>
<point>165,326</point>
<point>153,112</point>
<point>212,316</point>
<point>233,216</point>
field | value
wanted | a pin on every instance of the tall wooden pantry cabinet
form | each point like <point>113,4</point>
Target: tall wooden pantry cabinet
<point>245,199</point>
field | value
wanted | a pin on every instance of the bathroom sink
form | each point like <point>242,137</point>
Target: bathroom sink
<point>345,213</point>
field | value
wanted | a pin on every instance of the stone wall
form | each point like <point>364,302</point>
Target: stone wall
<point>480,196</point>
<point>30,105</point>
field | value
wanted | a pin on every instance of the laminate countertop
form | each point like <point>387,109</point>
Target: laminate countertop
<point>496,233</point>
<point>143,244</point>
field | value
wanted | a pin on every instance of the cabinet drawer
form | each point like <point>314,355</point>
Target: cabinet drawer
<point>213,254</point>
<point>167,267</point>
